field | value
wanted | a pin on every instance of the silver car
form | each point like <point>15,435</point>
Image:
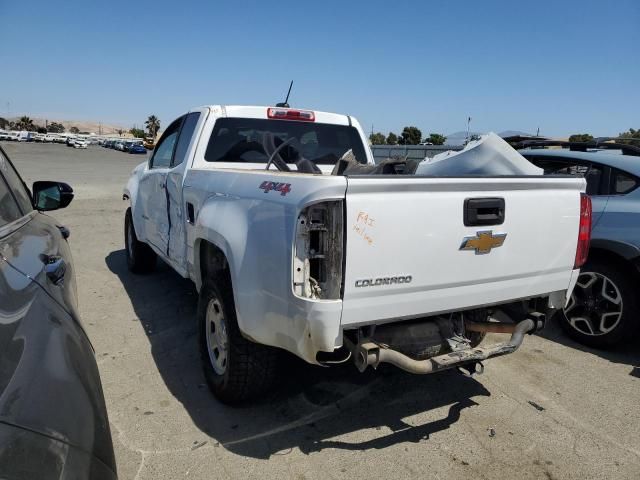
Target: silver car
<point>604,308</point>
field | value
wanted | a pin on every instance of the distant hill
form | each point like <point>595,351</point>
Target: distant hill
<point>458,138</point>
<point>515,133</point>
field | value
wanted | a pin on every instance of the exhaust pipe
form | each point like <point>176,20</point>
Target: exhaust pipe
<point>499,327</point>
<point>368,353</point>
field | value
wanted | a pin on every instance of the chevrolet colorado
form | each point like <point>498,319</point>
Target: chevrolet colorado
<point>296,240</point>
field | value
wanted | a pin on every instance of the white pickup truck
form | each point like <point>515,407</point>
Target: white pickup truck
<point>297,241</point>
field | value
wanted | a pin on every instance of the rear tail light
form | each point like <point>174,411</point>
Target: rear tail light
<point>288,114</point>
<point>584,231</point>
<point>318,249</point>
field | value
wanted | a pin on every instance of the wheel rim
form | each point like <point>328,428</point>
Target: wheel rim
<point>130,240</point>
<point>595,307</point>
<point>217,339</point>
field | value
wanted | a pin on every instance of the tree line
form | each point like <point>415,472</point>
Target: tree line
<point>26,123</point>
<point>631,134</point>
<point>409,136</point>
<point>152,124</point>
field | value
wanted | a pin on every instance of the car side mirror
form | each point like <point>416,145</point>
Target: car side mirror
<point>51,195</point>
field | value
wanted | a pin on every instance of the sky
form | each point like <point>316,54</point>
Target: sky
<point>561,66</point>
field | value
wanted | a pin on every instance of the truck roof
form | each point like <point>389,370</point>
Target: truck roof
<point>249,111</point>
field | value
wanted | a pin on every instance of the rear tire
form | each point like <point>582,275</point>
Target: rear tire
<point>235,368</point>
<point>603,309</point>
<point>140,257</point>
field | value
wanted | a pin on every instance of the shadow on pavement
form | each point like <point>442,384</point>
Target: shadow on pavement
<point>311,408</point>
<point>628,354</point>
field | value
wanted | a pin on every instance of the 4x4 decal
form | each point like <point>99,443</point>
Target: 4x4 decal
<point>283,188</point>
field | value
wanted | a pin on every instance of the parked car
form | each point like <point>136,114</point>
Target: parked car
<point>80,143</point>
<point>49,138</point>
<point>332,257</point>
<point>119,145</point>
<point>4,135</point>
<point>70,140</point>
<point>25,136</point>
<point>604,309</point>
<point>149,143</point>
<point>137,148</point>
<point>53,420</point>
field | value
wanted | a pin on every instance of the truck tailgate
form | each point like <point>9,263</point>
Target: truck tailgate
<point>404,239</point>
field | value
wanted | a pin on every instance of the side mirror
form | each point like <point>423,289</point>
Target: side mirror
<point>51,195</point>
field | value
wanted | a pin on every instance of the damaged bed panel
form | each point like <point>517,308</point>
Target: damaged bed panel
<point>490,155</point>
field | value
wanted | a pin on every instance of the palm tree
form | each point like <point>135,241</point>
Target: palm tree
<point>153,125</point>
<point>25,123</point>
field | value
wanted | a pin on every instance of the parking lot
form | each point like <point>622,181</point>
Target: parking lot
<point>552,410</point>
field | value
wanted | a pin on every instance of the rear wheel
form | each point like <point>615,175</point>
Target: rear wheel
<point>140,257</point>
<point>603,309</point>
<point>235,368</point>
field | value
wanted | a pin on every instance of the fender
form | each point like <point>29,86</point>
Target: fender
<point>130,193</point>
<point>622,249</point>
<point>257,247</point>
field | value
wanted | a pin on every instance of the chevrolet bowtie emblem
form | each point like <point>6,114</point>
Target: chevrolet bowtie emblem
<point>483,242</point>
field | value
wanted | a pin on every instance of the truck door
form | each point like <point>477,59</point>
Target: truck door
<point>153,189</point>
<point>177,211</point>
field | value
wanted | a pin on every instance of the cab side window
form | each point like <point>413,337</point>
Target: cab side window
<point>163,154</point>
<point>186,133</point>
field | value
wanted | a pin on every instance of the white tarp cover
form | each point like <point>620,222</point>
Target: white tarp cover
<point>490,155</point>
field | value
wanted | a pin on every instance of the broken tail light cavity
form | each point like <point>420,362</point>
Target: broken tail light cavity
<point>318,250</point>
<point>288,114</point>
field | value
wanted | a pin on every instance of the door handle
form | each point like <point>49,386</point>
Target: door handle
<point>483,211</point>
<point>55,268</point>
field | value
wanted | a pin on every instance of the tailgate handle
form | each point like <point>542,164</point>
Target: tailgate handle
<point>483,211</point>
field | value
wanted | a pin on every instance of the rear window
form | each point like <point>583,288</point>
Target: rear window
<point>247,140</point>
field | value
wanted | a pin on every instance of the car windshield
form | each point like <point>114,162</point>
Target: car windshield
<point>249,139</point>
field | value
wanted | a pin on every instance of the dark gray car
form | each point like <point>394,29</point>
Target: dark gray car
<point>604,307</point>
<point>53,420</point>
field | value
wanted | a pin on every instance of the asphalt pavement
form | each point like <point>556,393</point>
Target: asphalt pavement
<point>552,410</point>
